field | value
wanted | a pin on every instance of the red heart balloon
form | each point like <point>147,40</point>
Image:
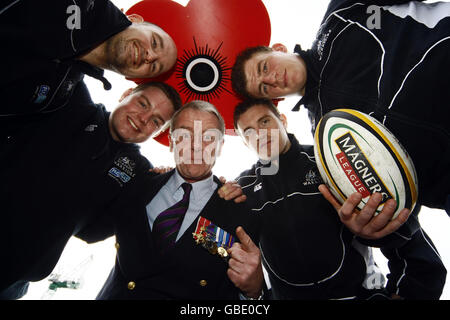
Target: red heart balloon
<point>208,34</point>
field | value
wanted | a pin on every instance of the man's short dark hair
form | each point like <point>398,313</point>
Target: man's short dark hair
<point>247,104</point>
<point>238,79</point>
<point>168,90</point>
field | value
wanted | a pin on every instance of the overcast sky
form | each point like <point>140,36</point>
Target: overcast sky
<point>292,21</point>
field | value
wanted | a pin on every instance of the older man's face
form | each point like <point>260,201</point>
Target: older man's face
<point>196,141</point>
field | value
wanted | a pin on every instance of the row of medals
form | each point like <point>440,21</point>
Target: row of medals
<point>210,244</point>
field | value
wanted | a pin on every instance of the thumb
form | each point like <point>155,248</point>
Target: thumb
<point>329,197</point>
<point>246,242</point>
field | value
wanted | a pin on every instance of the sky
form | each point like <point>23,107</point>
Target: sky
<point>292,22</point>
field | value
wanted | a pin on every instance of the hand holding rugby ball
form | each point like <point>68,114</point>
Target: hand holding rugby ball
<point>356,153</point>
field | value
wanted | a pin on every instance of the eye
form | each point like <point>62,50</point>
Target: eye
<point>157,123</point>
<point>154,43</point>
<point>265,67</point>
<point>142,103</point>
<point>203,72</point>
<point>265,122</point>
<point>208,137</point>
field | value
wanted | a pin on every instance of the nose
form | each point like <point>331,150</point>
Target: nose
<point>270,78</point>
<point>145,116</point>
<point>150,56</point>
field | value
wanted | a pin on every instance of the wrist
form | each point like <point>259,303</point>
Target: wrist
<point>254,296</point>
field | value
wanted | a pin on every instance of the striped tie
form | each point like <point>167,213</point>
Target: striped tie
<point>168,222</point>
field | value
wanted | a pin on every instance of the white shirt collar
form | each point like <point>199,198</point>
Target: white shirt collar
<point>199,188</point>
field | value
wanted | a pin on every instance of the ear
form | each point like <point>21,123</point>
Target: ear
<point>284,120</point>
<point>219,148</point>
<point>135,18</point>
<point>126,94</point>
<point>279,47</point>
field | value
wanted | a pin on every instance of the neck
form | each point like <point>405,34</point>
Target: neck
<point>305,74</point>
<point>286,147</point>
<point>96,56</point>
<point>195,179</point>
<point>113,132</point>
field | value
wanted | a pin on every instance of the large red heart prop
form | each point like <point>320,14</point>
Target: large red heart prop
<point>208,34</point>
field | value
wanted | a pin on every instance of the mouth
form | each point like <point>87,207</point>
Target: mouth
<point>135,54</point>
<point>135,127</point>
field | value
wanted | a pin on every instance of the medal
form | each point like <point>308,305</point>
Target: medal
<point>213,238</point>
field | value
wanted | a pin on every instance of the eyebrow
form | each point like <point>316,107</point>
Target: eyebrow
<point>160,65</point>
<point>146,100</point>
<point>160,40</point>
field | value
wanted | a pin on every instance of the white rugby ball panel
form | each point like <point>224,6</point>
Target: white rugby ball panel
<point>356,153</point>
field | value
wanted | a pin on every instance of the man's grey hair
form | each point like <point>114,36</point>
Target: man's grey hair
<point>200,106</point>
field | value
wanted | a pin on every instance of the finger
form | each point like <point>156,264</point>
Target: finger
<point>235,277</point>
<point>246,242</point>
<point>235,251</point>
<point>403,216</point>
<point>223,180</point>
<point>329,197</point>
<point>223,191</point>
<point>396,223</point>
<point>233,192</point>
<point>236,265</point>
<point>349,206</point>
<point>369,209</point>
<point>393,225</point>
<point>380,221</point>
<point>240,199</point>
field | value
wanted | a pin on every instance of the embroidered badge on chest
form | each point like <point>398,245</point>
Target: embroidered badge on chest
<point>312,178</point>
<point>123,170</point>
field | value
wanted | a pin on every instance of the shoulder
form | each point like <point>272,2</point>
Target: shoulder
<point>249,177</point>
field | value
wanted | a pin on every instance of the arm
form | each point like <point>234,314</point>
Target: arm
<point>369,2</point>
<point>98,230</point>
<point>416,269</point>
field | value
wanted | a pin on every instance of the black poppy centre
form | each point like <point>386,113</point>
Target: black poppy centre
<point>203,72</point>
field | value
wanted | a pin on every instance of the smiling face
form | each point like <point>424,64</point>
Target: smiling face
<point>274,74</point>
<point>140,115</point>
<point>263,132</point>
<point>142,50</point>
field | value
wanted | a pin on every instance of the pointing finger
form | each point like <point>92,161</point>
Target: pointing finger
<point>246,242</point>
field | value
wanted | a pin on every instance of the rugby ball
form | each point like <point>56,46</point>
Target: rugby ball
<point>356,153</point>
